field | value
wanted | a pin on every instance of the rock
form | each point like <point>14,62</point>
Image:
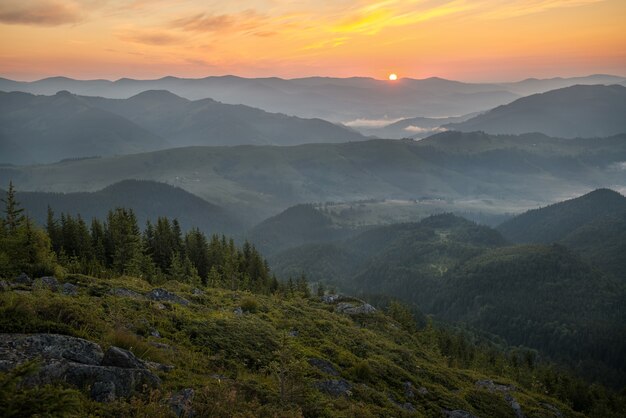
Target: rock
<point>153,365</point>
<point>23,279</point>
<point>517,409</point>
<point>181,403</point>
<point>493,387</point>
<point>118,357</point>
<point>74,361</point>
<point>103,392</point>
<point>330,298</point>
<point>161,346</point>
<point>197,292</point>
<point>120,291</point>
<point>69,289</point>
<point>163,295</point>
<point>160,306</point>
<point>4,286</point>
<point>238,311</point>
<point>323,366</point>
<point>18,348</point>
<point>293,333</point>
<point>155,333</point>
<point>408,389</point>
<point>350,308</point>
<point>335,388</point>
<point>422,391</point>
<point>458,414</point>
<point>50,282</point>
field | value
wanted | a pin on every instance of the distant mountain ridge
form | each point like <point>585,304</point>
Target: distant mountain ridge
<point>334,99</point>
<point>148,200</point>
<point>577,111</point>
<point>44,129</point>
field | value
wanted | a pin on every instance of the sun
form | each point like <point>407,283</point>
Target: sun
<point>393,77</point>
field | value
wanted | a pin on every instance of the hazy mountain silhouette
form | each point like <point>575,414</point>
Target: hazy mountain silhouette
<point>261,181</point>
<point>577,111</point>
<point>148,199</point>
<point>35,129</point>
<point>43,129</point>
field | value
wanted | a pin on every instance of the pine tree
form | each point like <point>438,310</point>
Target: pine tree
<point>14,215</point>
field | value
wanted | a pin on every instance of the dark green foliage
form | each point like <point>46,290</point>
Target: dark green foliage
<point>553,223</point>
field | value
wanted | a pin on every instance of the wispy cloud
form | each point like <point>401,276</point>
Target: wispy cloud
<point>516,8</point>
<point>39,12</point>
<point>148,37</point>
<point>203,22</point>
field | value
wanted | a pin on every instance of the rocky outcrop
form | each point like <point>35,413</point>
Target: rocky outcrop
<point>324,366</point>
<point>69,289</point>
<point>492,386</point>
<point>457,413</point>
<point>351,308</point>
<point>335,388</point>
<point>50,282</point>
<point>181,403</point>
<point>163,295</point>
<point>79,362</point>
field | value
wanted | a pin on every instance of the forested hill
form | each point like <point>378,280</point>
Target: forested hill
<point>463,272</point>
<point>555,222</point>
<point>148,199</point>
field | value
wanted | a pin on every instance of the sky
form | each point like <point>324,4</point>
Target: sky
<point>469,40</point>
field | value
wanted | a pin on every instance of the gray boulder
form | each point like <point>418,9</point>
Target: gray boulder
<point>69,289</point>
<point>4,286</point>
<point>334,388</point>
<point>323,366</point>
<point>23,279</point>
<point>77,362</point>
<point>458,413</point>
<point>350,308</point>
<point>163,295</point>
<point>50,282</point>
<point>181,403</point>
<point>118,357</point>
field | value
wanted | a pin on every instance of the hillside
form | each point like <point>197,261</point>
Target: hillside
<point>462,272</point>
<point>417,127</point>
<point>295,226</point>
<point>571,112</point>
<point>43,129</point>
<point>259,182</point>
<point>555,222</point>
<point>148,199</point>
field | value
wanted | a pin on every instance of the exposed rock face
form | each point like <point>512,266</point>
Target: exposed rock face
<point>120,291</point>
<point>181,403</point>
<point>491,386</point>
<point>166,296</point>
<point>23,279</point>
<point>238,311</point>
<point>50,282</point>
<point>350,308</point>
<point>78,362</point>
<point>4,286</point>
<point>118,357</point>
<point>335,388</point>
<point>323,366</point>
<point>70,289</point>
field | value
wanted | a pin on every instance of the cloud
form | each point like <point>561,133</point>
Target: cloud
<point>516,8</point>
<point>203,22</point>
<point>370,123</point>
<point>39,12</point>
<point>419,130</point>
<point>148,37</point>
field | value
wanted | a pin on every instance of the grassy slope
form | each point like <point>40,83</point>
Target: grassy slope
<point>208,339</point>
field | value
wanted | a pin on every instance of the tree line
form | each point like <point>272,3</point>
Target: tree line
<point>117,246</point>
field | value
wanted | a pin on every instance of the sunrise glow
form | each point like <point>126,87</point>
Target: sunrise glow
<point>473,41</point>
<point>393,77</point>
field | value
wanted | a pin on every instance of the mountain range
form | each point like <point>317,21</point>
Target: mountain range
<point>577,111</point>
<point>43,129</point>
<point>261,181</point>
<point>334,99</point>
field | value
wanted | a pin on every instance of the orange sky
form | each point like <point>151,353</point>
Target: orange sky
<point>474,40</point>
